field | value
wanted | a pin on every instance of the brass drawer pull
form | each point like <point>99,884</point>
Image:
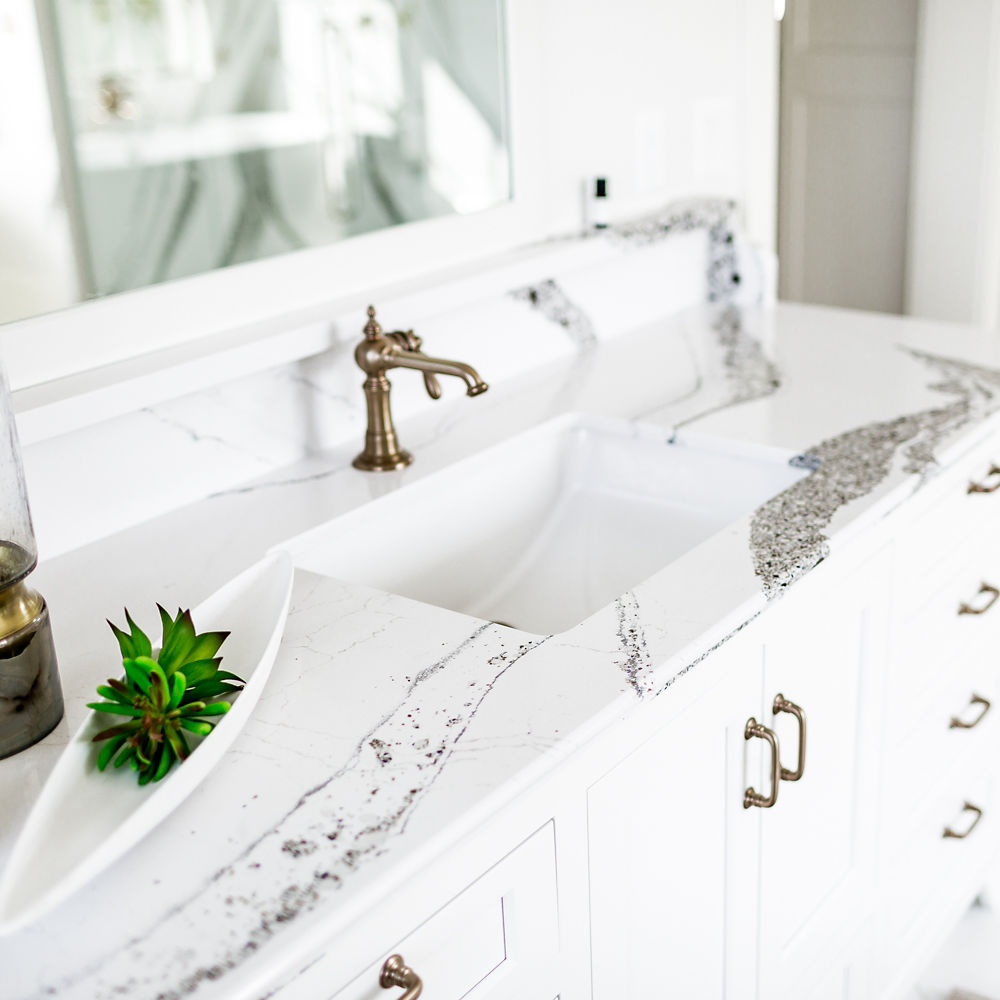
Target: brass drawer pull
<point>782,704</point>
<point>984,588</point>
<point>957,723</point>
<point>982,487</point>
<point>754,730</point>
<point>977,816</point>
<point>396,972</point>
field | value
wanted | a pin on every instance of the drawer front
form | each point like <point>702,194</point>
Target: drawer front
<point>957,729</point>
<point>497,939</point>
<point>937,876</point>
<point>952,516</point>
<point>936,640</point>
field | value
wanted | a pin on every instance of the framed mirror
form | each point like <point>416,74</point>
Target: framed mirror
<point>151,140</point>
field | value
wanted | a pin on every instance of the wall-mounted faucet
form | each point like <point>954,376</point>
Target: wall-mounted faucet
<point>375,355</point>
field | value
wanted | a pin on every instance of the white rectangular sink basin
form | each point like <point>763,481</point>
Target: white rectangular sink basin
<point>545,529</point>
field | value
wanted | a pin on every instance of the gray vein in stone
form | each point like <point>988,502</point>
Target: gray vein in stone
<point>636,665</point>
<point>748,372</point>
<point>553,303</point>
<point>313,477</point>
<point>687,668</point>
<point>680,217</point>
<point>787,534</point>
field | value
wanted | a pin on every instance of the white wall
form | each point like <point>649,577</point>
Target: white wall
<point>953,267</point>
<point>668,98</point>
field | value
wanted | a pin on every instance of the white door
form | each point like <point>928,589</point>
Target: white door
<point>825,652</point>
<point>673,851</point>
<point>846,108</point>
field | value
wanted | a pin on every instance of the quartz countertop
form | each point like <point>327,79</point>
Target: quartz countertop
<point>389,726</point>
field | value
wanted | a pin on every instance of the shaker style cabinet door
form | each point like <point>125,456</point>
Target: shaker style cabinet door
<point>673,851</point>
<point>824,660</point>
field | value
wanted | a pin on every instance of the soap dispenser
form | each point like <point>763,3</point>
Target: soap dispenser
<point>31,702</point>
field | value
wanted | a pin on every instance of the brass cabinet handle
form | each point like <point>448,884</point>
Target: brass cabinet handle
<point>396,972</point>
<point>782,704</point>
<point>984,588</point>
<point>754,730</point>
<point>977,816</point>
<point>957,723</point>
<point>982,487</point>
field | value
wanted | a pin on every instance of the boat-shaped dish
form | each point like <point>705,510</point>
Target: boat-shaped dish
<point>85,818</point>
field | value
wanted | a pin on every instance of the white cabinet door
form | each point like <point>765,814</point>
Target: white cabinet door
<point>673,852</point>
<point>825,651</point>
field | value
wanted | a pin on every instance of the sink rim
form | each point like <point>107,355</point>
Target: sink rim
<point>506,454</point>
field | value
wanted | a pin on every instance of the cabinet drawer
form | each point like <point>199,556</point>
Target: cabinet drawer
<point>952,517</point>
<point>937,876</point>
<point>933,747</point>
<point>935,641</point>
<point>496,939</point>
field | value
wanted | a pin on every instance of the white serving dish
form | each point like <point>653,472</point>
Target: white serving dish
<point>84,818</point>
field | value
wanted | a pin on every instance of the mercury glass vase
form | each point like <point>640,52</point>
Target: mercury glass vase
<point>31,702</point>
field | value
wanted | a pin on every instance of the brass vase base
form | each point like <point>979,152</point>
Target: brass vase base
<point>31,702</point>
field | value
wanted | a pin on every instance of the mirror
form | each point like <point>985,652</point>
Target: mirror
<point>145,140</point>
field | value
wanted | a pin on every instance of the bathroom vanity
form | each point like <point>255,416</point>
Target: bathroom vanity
<point>763,767</point>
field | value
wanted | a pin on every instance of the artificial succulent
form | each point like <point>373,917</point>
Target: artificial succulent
<point>163,697</point>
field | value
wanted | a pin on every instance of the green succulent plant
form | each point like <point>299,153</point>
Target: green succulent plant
<point>163,697</point>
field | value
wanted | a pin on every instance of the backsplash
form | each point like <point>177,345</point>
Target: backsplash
<point>572,293</point>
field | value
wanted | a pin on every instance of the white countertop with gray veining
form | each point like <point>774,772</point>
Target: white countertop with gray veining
<point>387,723</point>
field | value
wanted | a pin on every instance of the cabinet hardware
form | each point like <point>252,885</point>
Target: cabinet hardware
<point>957,723</point>
<point>984,588</point>
<point>396,972</point>
<point>977,816</point>
<point>982,487</point>
<point>754,730</point>
<point>782,704</point>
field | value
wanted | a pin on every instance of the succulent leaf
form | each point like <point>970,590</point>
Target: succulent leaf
<point>195,726</point>
<point>114,708</point>
<point>178,683</point>
<point>125,643</point>
<point>178,644</point>
<point>112,694</point>
<point>200,670</point>
<point>137,672</point>
<point>177,743</point>
<point>109,750</point>
<point>206,645</point>
<point>214,708</point>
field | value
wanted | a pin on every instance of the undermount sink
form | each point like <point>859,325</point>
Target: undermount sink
<point>545,529</point>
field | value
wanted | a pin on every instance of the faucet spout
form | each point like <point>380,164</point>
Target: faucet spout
<point>440,366</point>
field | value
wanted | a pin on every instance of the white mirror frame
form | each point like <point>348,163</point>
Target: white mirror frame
<point>135,332</point>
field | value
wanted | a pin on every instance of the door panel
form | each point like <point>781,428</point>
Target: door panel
<point>846,106</point>
<point>818,854</point>
<point>673,852</point>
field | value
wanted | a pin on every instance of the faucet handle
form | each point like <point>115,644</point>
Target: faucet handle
<point>411,342</point>
<point>432,385</point>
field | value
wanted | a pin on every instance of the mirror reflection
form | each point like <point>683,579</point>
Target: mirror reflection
<point>145,140</point>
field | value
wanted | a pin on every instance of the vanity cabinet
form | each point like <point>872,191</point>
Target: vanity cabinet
<point>648,875</point>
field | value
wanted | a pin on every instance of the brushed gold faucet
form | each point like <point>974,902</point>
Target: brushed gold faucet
<point>376,354</point>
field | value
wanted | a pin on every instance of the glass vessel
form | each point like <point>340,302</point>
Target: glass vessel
<point>31,701</point>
